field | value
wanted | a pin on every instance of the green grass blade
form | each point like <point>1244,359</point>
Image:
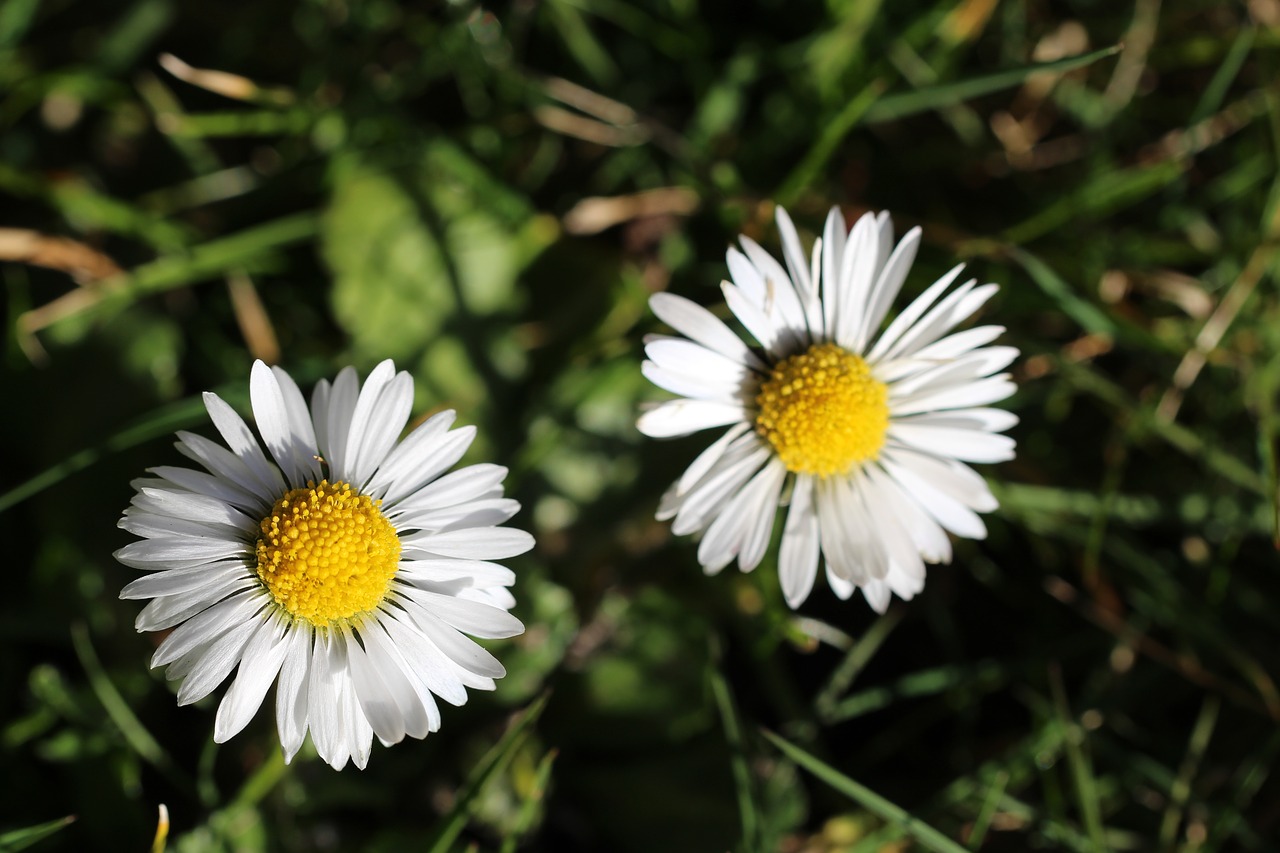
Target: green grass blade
<point>497,758</point>
<point>1089,316</point>
<point>854,662</point>
<point>135,733</point>
<point>892,107</point>
<point>247,250</point>
<point>1098,198</point>
<point>929,838</point>
<point>832,134</point>
<point>1086,784</point>
<point>1214,94</point>
<point>160,422</point>
<point>21,839</point>
<point>747,810</point>
<point>978,677</point>
<point>582,44</point>
<point>1181,791</point>
<point>983,821</point>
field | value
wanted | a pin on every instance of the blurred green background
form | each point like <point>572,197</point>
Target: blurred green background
<point>488,195</point>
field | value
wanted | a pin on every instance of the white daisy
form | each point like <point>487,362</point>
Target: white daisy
<point>349,572</point>
<point>865,433</point>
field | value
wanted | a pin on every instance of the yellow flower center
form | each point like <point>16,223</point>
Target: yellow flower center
<point>823,411</point>
<point>327,553</point>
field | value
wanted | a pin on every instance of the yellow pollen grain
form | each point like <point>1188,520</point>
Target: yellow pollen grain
<point>822,411</point>
<point>327,553</point>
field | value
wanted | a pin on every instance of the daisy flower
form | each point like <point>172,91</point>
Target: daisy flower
<point>863,431</point>
<point>349,572</point>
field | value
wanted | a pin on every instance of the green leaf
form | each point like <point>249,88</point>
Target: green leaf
<point>419,252</point>
<point>928,837</point>
<point>391,287</point>
<point>15,19</point>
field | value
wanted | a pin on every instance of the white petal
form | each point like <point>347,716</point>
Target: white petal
<point>704,461</point>
<point>698,386</point>
<point>291,440</point>
<point>489,512</point>
<point>929,539</point>
<point>236,434</point>
<point>193,507</point>
<point>222,463</point>
<point>353,465</point>
<point>841,587</point>
<point>476,619</point>
<point>170,610</point>
<point>421,714</point>
<point>719,486</point>
<point>986,420</point>
<point>860,264</point>
<point>759,325</point>
<point>328,665</point>
<point>178,581</point>
<point>210,486</point>
<point>956,345</point>
<point>320,416</point>
<point>210,666</point>
<point>459,648</point>
<point>206,627</point>
<point>428,663</point>
<point>955,308</point>
<point>292,694</point>
<point>258,669</point>
<point>845,542</point>
<point>968,395</point>
<point>358,739</point>
<point>732,526</point>
<point>887,286</point>
<point>780,303</point>
<point>947,510</point>
<point>490,543</point>
<point>700,325</point>
<point>682,417</point>
<point>475,572</point>
<point>178,553</point>
<point>964,444</point>
<point>386,421</point>
<point>153,525</point>
<point>423,455</point>
<point>339,407</point>
<point>791,251</point>
<point>681,356</point>
<point>801,545</point>
<point>456,487</point>
<point>377,702</point>
<point>763,510</point>
<point>913,312</point>
<point>833,240</point>
<point>877,595</point>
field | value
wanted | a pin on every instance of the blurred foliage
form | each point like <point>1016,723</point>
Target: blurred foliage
<point>488,194</point>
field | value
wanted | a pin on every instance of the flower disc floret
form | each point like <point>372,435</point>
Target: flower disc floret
<point>326,553</point>
<point>822,411</point>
